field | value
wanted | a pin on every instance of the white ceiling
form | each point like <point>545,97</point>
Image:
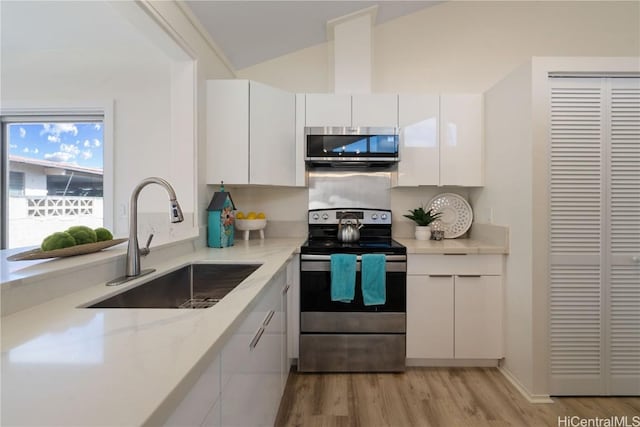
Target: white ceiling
<point>250,32</point>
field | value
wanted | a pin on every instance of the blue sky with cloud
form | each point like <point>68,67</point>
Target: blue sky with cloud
<point>79,144</point>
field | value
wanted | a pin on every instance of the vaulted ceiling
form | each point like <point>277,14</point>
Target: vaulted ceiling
<point>250,32</point>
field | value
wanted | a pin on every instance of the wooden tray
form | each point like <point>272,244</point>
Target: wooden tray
<point>87,248</point>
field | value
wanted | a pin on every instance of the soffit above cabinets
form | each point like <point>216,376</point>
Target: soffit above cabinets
<point>250,32</point>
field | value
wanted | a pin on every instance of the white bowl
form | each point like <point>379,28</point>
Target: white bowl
<point>250,224</point>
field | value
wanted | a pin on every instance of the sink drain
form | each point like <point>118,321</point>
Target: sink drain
<point>199,303</point>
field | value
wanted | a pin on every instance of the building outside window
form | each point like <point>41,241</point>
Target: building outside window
<point>55,170</point>
<point>16,184</point>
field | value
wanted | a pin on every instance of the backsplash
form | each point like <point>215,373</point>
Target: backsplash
<point>286,207</point>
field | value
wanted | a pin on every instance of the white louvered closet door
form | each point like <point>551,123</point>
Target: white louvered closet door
<point>594,236</point>
<point>623,239</point>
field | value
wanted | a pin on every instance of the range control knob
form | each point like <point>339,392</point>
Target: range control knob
<point>374,216</point>
<point>383,216</point>
<point>316,216</point>
<point>325,216</point>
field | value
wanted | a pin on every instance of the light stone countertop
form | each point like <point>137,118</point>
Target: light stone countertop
<point>451,246</point>
<point>87,367</point>
<point>63,365</point>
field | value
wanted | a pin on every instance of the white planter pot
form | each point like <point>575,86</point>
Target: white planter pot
<point>423,232</point>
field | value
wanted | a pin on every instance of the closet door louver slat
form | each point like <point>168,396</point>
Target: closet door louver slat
<point>575,242</point>
<point>624,238</point>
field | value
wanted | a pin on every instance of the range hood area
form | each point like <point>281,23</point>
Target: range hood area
<point>351,146</point>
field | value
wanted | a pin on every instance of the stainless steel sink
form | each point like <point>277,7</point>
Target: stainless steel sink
<point>192,286</point>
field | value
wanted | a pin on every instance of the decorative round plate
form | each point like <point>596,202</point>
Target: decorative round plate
<point>456,215</point>
<point>87,248</point>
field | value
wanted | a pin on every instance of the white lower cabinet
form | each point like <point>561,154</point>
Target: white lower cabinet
<point>197,406</point>
<point>244,384</point>
<point>429,317</point>
<point>454,307</point>
<point>478,317</point>
<point>252,362</point>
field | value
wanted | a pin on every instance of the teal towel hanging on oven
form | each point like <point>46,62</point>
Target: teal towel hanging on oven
<point>373,269</point>
<point>343,277</point>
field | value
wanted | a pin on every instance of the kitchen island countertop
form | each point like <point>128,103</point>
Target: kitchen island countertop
<point>64,365</point>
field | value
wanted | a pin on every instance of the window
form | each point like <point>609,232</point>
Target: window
<point>16,183</point>
<point>55,168</point>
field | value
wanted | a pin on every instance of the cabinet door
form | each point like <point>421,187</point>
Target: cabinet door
<point>461,140</point>
<point>478,317</point>
<point>418,118</point>
<point>430,317</point>
<point>227,131</point>
<point>286,290</point>
<point>272,154</point>
<point>328,109</point>
<point>198,403</point>
<point>301,143</point>
<point>293,309</point>
<point>379,110</point>
<point>251,364</point>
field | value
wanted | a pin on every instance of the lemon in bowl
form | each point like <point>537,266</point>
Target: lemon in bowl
<point>252,221</point>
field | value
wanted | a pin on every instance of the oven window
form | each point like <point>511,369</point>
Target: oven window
<point>315,293</point>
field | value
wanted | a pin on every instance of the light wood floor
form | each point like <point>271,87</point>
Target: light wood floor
<point>438,397</point>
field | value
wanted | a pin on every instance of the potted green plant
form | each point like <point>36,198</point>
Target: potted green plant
<point>423,220</point>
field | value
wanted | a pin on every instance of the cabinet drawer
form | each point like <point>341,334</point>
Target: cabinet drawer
<point>454,264</point>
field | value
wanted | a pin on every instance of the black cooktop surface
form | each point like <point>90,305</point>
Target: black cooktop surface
<point>329,246</point>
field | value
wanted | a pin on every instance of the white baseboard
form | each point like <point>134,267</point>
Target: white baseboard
<point>532,398</point>
<point>452,363</point>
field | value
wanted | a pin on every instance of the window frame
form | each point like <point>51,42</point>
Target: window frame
<point>96,111</point>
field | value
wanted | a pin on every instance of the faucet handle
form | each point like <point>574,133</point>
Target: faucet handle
<point>145,251</point>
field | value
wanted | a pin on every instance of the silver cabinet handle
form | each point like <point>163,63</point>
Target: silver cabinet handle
<point>469,275</point>
<point>441,275</point>
<point>457,254</point>
<point>267,319</point>
<point>286,289</point>
<point>256,339</point>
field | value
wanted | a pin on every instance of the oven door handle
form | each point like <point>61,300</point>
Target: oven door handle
<point>309,257</point>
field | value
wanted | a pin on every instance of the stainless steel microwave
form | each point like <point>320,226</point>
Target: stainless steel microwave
<point>331,146</point>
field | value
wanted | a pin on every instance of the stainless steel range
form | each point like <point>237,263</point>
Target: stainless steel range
<point>351,336</point>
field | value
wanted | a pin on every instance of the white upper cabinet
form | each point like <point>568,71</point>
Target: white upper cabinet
<point>272,136</point>
<point>379,110</point>
<point>461,140</point>
<point>418,117</point>
<point>228,131</point>
<point>301,176</point>
<point>441,140</point>
<point>327,109</point>
<point>342,110</point>
<point>250,133</point>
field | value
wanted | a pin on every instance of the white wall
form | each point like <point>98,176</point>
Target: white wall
<point>506,198</point>
<point>119,53</point>
<point>307,70</point>
<point>467,46</point>
<point>66,55</point>
<point>210,64</point>
<point>460,46</point>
